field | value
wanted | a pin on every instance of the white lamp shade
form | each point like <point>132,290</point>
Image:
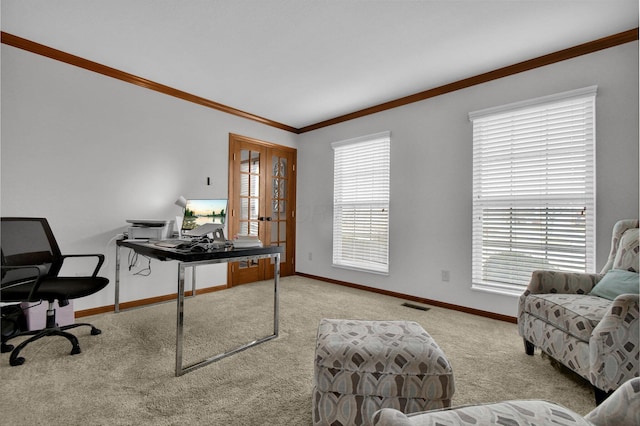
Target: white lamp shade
<point>181,201</point>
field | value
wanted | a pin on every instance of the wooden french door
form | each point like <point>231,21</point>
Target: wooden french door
<point>262,191</point>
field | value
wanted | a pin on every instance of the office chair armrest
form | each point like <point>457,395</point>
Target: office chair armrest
<point>41,271</point>
<point>98,266</point>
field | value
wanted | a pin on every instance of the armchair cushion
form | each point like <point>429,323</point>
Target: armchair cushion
<point>577,316</point>
<point>616,282</point>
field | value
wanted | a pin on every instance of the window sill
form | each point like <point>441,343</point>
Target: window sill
<point>504,291</point>
<point>358,269</point>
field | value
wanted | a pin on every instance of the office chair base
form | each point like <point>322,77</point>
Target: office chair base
<point>15,359</point>
<point>94,331</point>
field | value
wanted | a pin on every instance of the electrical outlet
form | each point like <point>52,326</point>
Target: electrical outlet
<point>446,275</point>
<point>310,256</point>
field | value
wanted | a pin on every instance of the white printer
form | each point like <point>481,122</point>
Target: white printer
<point>150,229</point>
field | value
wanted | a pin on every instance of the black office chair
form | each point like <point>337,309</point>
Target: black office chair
<point>31,261</point>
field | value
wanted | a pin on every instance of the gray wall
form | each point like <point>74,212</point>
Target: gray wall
<point>88,152</point>
<point>431,164</point>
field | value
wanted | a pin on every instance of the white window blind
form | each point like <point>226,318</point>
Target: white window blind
<point>361,203</point>
<point>533,189</point>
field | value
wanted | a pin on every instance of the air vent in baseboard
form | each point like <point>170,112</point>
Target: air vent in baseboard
<point>411,305</point>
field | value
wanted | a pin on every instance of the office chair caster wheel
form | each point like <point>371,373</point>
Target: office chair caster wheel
<point>4,348</point>
<point>95,331</point>
<point>18,361</point>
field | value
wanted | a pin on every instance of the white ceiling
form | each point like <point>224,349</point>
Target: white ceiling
<point>299,62</point>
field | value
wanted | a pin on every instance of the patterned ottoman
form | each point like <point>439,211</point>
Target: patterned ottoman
<point>363,366</point>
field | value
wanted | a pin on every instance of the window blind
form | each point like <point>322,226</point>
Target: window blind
<point>533,189</point>
<point>361,203</point>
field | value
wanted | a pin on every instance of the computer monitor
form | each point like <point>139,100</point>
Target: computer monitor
<point>200,212</point>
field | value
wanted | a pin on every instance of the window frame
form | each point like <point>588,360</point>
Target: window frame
<point>361,199</point>
<point>558,201</point>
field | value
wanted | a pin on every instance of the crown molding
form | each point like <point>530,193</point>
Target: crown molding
<point>58,55</point>
<point>561,55</point>
<point>541,61</point>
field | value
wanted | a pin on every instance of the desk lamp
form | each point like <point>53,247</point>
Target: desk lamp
<point>181,202</point>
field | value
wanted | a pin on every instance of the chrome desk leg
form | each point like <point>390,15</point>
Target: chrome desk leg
<point>116,305</point>
<point>276,306</point>
<point>180,320</point>
<point>193,281</point>
<point>180,369</point>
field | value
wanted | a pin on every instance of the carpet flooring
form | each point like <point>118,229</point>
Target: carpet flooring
<point>125,376</point>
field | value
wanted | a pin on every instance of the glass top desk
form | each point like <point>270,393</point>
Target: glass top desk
<point>192,259</point>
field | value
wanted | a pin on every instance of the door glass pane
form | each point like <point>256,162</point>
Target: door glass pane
<point>255,162</point>
<point>244,161</point>
<point>283,188</point>
<point>244,208</point>
<point>279,208</point>
<point>253,228</point>
<point>244,228</point>
<point>244,185</point>
<point>274,232</point>
<point>280,166</point>
<point>254,188</point>
<point>282,225</point>
<point>253,210</point>
<point>282,210</point>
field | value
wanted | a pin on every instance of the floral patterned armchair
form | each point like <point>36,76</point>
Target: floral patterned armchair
<point>589,322</point>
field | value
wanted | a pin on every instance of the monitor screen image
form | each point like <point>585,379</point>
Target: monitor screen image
<point>201,212</point>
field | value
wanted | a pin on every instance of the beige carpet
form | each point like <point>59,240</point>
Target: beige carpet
<point>126,376</point>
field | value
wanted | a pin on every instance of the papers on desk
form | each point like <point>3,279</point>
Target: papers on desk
<point>246,241</point>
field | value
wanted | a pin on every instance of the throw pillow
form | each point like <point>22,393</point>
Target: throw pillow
<point>616,282</point>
